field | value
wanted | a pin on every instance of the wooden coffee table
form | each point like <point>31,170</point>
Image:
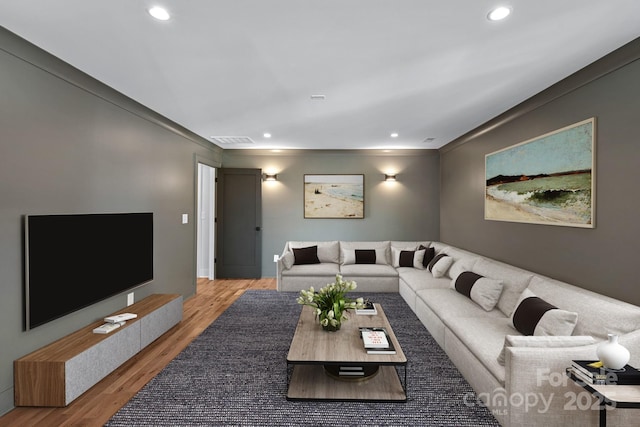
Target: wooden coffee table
<point>315,355</point>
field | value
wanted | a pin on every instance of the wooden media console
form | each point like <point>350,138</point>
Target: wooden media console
<point>60,372</point>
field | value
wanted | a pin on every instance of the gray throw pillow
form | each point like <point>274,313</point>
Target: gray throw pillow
<point>287,260</point>
<point>439,265</point>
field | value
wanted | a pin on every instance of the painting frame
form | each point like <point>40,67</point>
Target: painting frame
<point>333,196</point>
<point>548,180</point>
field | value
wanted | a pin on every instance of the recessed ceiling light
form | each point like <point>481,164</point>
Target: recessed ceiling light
<point>394,135</point>
<point>159,13</point>
<point>266,135</point>
<point>499,13</point>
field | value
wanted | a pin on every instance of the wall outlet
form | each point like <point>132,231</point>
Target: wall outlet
<point>130,299</point>
<point>276,257</point>
<point>185,218</point>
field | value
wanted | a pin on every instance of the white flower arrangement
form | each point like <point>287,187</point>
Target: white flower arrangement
<point>331,303</point>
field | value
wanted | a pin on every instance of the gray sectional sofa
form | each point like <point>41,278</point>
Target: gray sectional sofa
<point>470,304</point>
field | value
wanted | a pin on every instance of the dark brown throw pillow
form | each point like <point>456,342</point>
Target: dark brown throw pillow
<point>307,255</point>
<point>406,258</point>
<point>365,256</point>
<point>429,253</point>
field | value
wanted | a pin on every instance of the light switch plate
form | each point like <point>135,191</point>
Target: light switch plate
<point>185,218</point>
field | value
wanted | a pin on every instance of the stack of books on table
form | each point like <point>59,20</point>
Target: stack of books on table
<point>377,341</point>
<point>369,308</point>
<point>592,372</point>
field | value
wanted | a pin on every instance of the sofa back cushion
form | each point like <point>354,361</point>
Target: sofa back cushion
<point>598,315</point>
<point>462,260</point>
<point>439,246</point>
<point>413,246</point>
<point>361,252</point>
<point>407,258</point>
<point>327,251</point>
<point>408,245</point>
<point>514,280</point>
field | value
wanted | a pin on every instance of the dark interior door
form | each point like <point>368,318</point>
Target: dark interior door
<point>239,223</point>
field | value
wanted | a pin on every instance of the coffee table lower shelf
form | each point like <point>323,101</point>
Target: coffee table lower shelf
<point>311,382</point>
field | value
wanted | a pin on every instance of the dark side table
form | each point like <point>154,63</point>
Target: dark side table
<point>616,396</point>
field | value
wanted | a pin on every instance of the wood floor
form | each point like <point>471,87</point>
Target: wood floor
<point>97,405</point>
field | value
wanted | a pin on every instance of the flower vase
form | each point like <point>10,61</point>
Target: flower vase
<point>611,354</point>
<point>331,328</point>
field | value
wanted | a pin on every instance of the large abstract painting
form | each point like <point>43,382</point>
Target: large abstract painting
<point>334,196</point>
<point>546,180</point>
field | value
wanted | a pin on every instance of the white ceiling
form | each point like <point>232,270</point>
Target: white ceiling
<point>421,68</point>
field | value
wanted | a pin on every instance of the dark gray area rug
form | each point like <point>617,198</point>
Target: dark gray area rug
<point>234,374</point>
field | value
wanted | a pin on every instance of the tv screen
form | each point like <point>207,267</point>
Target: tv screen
<point>73,261</point>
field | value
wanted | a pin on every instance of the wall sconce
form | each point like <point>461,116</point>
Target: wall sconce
<point>270,177</point>
<point>390,177</point>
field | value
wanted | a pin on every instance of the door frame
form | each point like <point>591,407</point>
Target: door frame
<point>216,165</point>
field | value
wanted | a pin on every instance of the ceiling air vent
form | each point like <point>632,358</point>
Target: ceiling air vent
<point>228,140</point>
<point>429,139</point>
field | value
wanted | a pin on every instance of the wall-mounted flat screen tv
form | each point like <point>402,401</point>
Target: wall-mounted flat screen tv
<point>73,261</point>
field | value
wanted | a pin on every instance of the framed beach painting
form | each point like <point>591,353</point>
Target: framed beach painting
<point>546,180</point>
<point>334,196</point>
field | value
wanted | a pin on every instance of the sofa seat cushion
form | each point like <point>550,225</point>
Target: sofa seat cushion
<point>328,269</point>
<point>421,279</point>
<point>484,337</point>
<point>367,270</point>
<point>447,304</point>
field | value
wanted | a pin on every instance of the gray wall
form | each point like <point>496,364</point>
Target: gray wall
<point>68,144</point>
<point>71,145</point>
<point>603,259</point>
<point>403,210</point>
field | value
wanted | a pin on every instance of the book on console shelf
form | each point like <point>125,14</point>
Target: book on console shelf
<point>351,371</point>
<point>368,309</point>
<point>377,341</point>
<point>592,372</point>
